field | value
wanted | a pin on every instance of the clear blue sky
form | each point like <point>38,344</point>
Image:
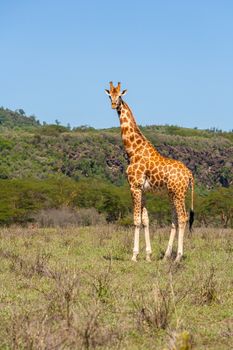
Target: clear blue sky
<point>175,57</point>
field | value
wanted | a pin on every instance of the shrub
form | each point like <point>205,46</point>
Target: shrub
<point>63,217</point>
<point>155,312</point>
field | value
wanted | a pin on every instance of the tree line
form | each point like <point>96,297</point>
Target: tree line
<point>21,199</point>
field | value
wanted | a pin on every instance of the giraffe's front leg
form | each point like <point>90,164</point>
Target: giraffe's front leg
<point>136,243</point>
<point>137,200</point>
<point>145,222</point>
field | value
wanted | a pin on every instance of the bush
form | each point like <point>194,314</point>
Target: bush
<point>52,130</point>
<point>63,217</point>
<point>21,200</point>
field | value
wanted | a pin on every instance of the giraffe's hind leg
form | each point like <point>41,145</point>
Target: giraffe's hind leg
<point>174,228</point>
<point>145,222</point>
<point>168,252</point>
<point>182,220</point>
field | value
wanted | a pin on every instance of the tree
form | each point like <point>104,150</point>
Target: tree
<point>21,111</point>
<point>217,207</point>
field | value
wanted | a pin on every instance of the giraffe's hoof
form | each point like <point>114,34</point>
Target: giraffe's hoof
<point>166,257</point>
<point>134,258</point>
<point>178,259</point>
<point>148,259</point>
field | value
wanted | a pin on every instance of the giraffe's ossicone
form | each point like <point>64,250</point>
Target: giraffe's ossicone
<point>148,170</point>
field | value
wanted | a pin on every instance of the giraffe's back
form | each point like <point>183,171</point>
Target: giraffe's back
<point>167,173</point>
<point>153,172</point>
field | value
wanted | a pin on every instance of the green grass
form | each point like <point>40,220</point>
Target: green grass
<point>76,288</point>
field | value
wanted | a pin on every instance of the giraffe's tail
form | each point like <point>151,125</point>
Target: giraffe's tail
<point>191,214</point>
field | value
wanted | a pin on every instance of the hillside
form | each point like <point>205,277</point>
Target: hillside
<point>28,149</point>
<point>17,119</point>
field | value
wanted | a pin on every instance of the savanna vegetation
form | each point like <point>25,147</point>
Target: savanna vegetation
<point>76,288</point>
<point>66,279</point>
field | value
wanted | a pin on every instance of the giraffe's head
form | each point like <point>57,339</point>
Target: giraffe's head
<point>115,94</point>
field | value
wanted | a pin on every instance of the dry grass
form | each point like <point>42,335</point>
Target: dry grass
<point>76,288</point>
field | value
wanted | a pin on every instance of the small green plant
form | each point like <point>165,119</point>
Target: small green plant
<point>102,285</point>
<point>207,292</point>
<point>180,341</point>
<point>154,311</point>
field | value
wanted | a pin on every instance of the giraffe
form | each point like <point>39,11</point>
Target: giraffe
<point>148,170</point>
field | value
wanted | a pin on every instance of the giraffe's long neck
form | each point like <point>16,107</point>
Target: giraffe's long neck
<point>134,141</point>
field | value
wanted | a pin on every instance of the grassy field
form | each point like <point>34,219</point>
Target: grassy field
<point>76,288</point>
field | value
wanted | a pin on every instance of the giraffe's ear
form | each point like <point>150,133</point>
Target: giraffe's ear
<point>107,92</point>
<point>123,92</point>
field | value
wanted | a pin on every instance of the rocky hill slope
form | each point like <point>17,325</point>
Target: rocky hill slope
<point>28,149</point>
